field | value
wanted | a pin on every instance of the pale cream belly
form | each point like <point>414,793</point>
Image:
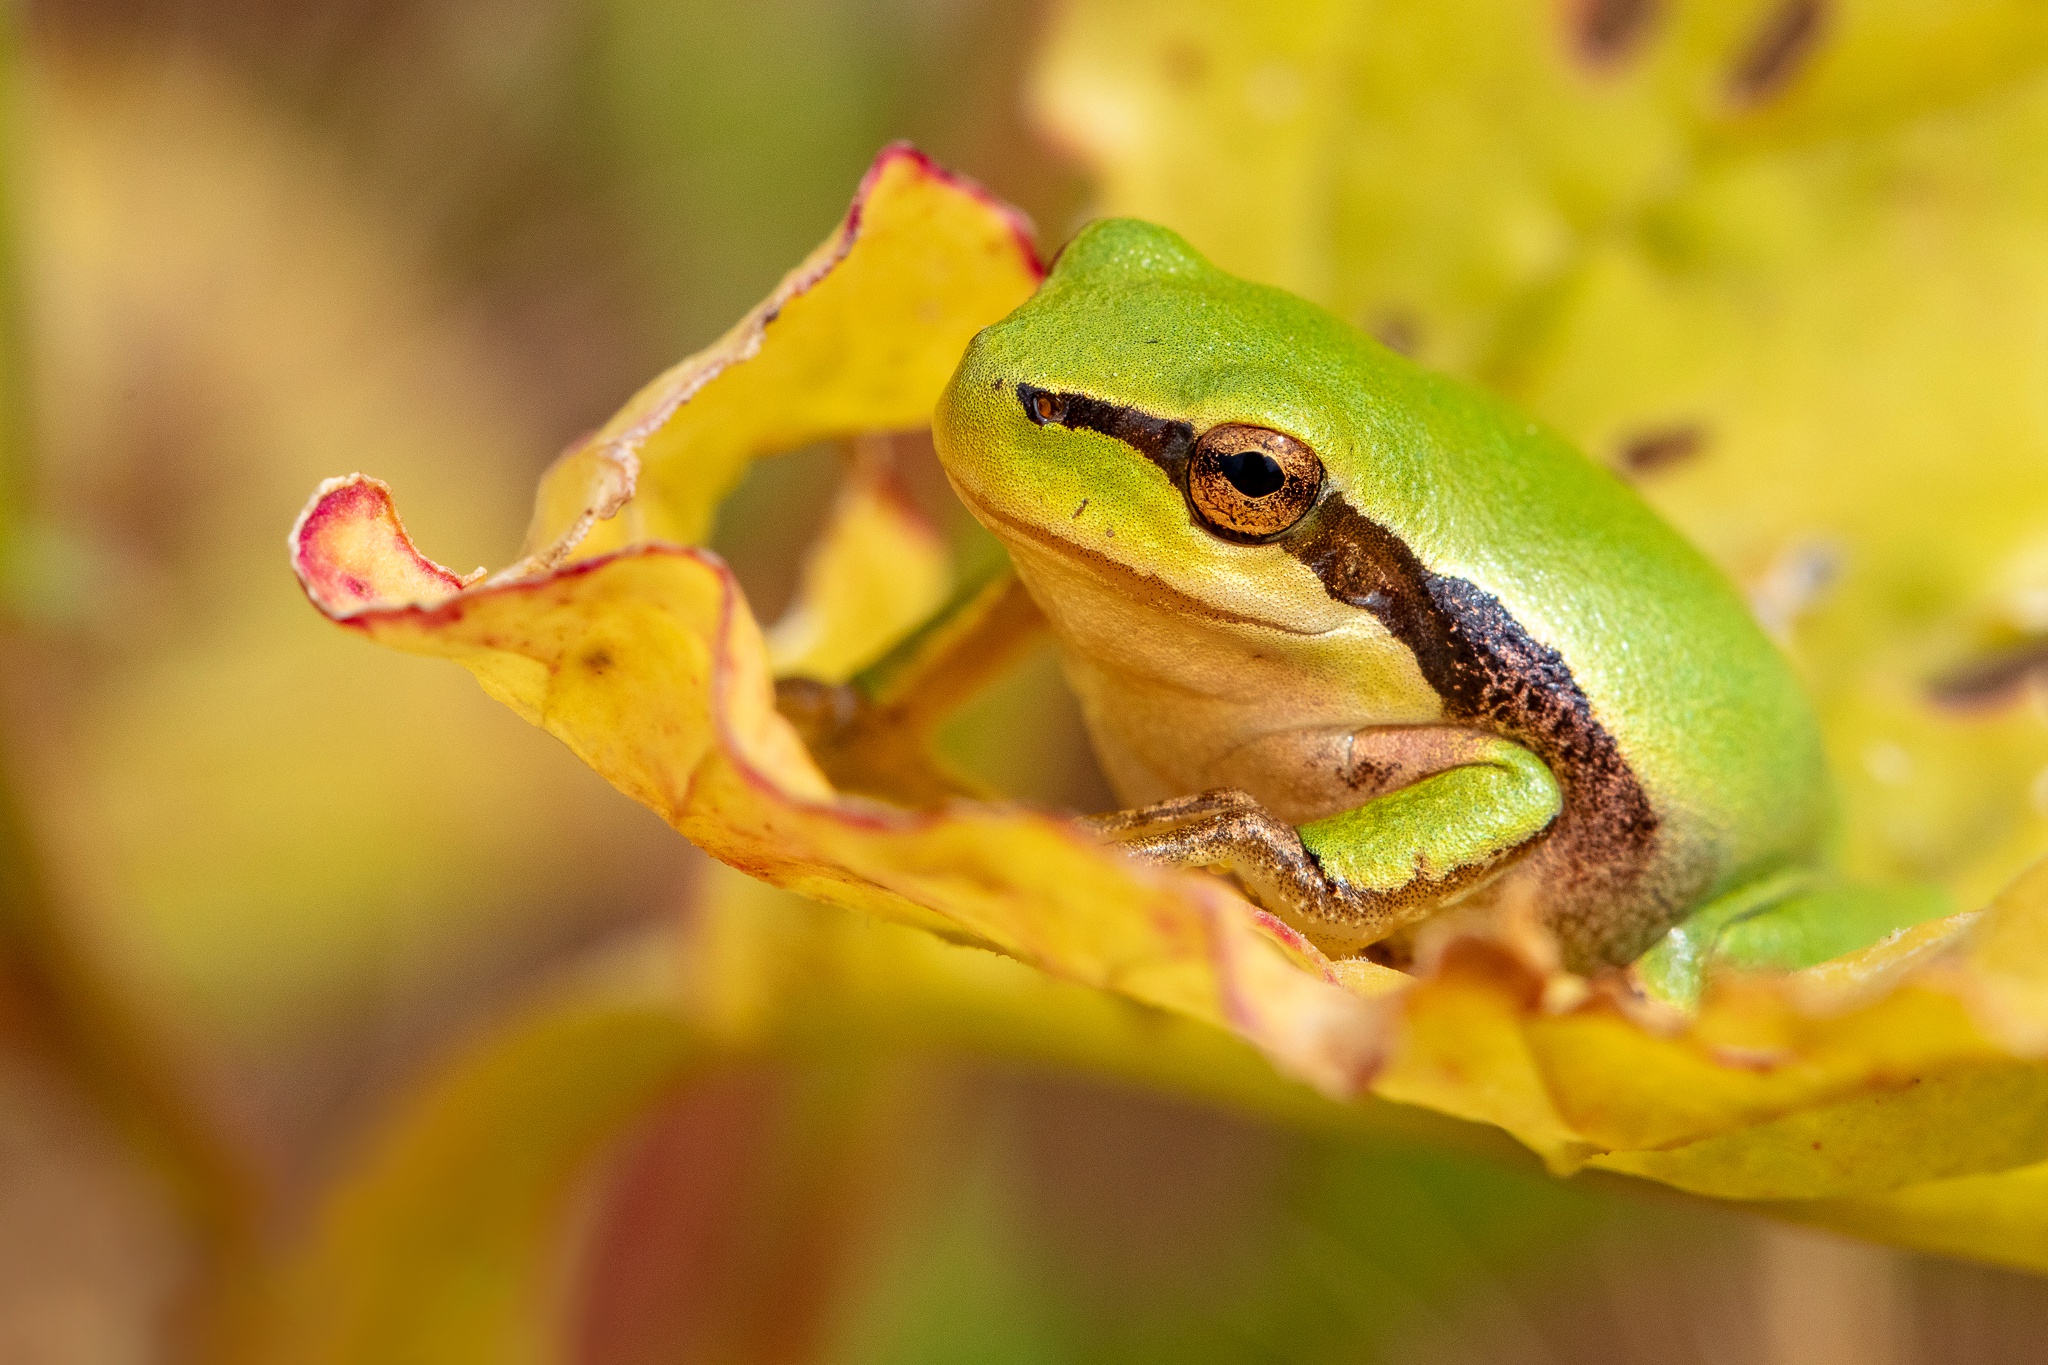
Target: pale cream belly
<point>1157,740</point>
<point>1177,701</point>
<point>1305,776</point>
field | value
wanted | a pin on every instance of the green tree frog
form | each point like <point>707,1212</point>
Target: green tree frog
<point>1363,636</point>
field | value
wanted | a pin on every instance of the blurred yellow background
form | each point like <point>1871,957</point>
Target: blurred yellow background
<point>265,882</point>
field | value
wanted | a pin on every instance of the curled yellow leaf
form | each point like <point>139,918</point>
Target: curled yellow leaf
<point>1913,1065</point>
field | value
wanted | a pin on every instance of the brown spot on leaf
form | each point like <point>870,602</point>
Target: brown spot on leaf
<point>1184,62</point>
<point>1996,680</point>
<point>1777,51</point>
<point>1604,33</point>
<point>597,662</point>
<point>1398,330</point>
<point>1660,448</point>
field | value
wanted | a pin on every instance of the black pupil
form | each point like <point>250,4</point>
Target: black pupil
<point>1253,473</point>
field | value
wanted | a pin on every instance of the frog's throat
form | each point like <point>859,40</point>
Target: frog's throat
<point>1490,672</point>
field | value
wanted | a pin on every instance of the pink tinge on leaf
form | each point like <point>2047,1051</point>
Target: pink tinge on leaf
<point>1022,232</point>
<point>351,552</point>
<point>602,477</point>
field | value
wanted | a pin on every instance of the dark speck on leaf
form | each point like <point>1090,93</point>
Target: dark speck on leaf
<point>1780,47</point>
<point>1184,62</point>
<point>1996,680</point>
<point>1649,451</point>
<point>598,662</point>
<point>1398,330</point>
<point>1606,32</point>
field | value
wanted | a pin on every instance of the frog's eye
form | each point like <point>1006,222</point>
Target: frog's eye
<point>1252,482</point>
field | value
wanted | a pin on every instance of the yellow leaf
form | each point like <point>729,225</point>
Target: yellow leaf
<point>881,311</point>
<point>649,666</point>
<point>1995,1218</point>
<point>878,570</point>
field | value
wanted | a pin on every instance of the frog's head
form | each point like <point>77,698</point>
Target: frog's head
<point>1167,427</point>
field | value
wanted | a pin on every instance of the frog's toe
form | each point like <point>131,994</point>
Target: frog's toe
<point>1162,816</point>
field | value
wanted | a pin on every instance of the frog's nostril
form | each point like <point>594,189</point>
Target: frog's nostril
<point>1042,407</point>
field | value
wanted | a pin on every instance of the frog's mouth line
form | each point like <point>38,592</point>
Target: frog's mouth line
<point>1143,586</point>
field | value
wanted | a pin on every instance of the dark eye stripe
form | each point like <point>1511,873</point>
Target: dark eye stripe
<point>1161,440</point>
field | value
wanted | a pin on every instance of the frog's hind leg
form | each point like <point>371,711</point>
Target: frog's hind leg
<point>1787,921</point>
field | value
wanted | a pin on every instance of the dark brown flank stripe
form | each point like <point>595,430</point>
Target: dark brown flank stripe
<point>1473,653</point>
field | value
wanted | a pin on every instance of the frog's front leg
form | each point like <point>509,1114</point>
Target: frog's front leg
<point>1227,831</point>
<point>1353,878</point>
<point>872,735</point>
